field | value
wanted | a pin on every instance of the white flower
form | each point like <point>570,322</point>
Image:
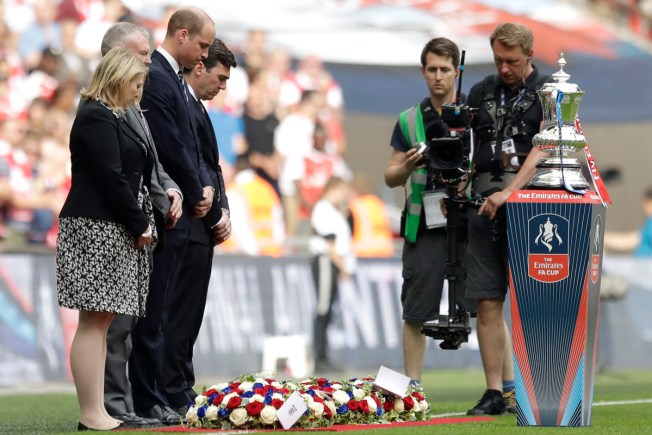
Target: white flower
<point>358,394</point>
<point>278,396</point>
<point>276,384</point>
<point>191,415</point>
<point>341,396</point>
<point>317,408</point>
<point>246,386</point>
<point>221,386</point>
<point>211,412</point>
<point>268,415</point>
<point>373,406</point>
<point>307,398</point>
<point>238,416</point>
<point>228,397</point>
<point>336,386</point>
<point>200,400</point>
<point>256,398</point>
<point>398,405</point>
<point>260,381</point>
<point>291,386</point>
<point>424,405</point>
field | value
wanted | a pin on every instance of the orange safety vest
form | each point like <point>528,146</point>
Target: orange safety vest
<point>372,235</point>
<point>261,200</point>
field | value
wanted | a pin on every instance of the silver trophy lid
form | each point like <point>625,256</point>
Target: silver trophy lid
<point>560,79</point>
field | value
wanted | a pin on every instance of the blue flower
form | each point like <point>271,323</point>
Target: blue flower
<point>247,394</point>
<point>342,409</point>
<point>379,411</point>
<point>223,412</point>
<point>227,390</point>
<point>257,385</point>
<point>311,392</point>
<point>201,412</point>
<point>268,399</point>
<point>350,393</point>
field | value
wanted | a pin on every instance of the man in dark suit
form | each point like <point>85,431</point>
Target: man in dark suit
<point>167,108</point>
<point>166,198</point>
<point>186,310</point>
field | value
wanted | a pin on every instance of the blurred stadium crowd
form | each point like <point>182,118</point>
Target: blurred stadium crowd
<point>278,125</point>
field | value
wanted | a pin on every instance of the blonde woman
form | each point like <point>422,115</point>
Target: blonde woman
<point>105,225</point>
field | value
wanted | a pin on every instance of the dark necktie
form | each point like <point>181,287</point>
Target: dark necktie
<point>183,83</point>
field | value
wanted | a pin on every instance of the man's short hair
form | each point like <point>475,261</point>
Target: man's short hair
<point>443,47</point>
<point>218,52</point>
<point>118,34</point>
<point>190,18</point>
<point>513,35</point>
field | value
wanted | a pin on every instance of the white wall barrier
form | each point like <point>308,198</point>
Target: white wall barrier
<point>251,298</point>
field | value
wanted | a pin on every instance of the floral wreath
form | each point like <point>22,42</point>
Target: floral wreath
<point>252,402</point>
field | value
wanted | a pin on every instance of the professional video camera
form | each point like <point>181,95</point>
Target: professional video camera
<point>447,153</point>
<point>446,157</point>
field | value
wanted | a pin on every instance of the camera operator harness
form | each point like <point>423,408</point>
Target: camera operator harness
<point>499,123</point>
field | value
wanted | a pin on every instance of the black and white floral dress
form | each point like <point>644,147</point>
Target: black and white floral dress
<point>99,267</point>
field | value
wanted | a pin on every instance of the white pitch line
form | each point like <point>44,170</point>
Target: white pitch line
<point>622,402</point>
<point>607,403</point>
<point>448,414</point>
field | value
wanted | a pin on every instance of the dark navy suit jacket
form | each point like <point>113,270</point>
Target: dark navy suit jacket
<point>172,123</point>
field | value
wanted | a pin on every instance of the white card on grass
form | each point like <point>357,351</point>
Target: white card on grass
<point>392,382</point>
<point>291,411</point>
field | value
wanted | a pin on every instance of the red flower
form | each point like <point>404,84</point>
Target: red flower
<point>284,390</point>
<point>210,392</point>
<point>364,406</point>
<point>328,412</point>
<point>234,402</point>
<point>218,399</point>
<point>408,402</point>
<point>321,381</point>
<point>277,403</point>
<point>418,396</point>
<point>318,399</point>
<point>254,408</point>
<point>329,390</point>
<point>353,405</point>
<point>388,406</point>
<point>260,391</point>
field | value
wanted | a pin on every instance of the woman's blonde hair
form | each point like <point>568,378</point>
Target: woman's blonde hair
<point>112,77</point>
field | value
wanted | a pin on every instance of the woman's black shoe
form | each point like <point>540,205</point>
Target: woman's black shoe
<point>83,427</point>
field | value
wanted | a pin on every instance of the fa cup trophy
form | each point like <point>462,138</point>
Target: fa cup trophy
<point>559,137</point>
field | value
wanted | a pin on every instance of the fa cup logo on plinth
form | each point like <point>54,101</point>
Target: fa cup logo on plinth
<point>559,137</point>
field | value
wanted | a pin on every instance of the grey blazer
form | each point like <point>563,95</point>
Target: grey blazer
<point>161,181</point>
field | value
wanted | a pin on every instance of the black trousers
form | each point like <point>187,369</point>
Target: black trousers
<point>325,273</point>
<point>146,361</point>
<point>184,314</point>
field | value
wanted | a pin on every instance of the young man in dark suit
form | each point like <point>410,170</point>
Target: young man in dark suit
<point>185,313</point>
<point>167,108</point>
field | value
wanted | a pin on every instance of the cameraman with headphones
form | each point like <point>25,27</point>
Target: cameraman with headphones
<point>425,249</point>
<point>509,115</point>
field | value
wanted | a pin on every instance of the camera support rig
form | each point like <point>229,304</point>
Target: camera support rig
<point>454,328</point>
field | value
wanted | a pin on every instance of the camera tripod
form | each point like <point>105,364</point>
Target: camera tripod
<point>453,328</point>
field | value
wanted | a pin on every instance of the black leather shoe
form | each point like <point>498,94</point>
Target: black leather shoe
<point>132,421</point>
<point>182,411</point>
<point>164,414</point>
<point>491,403</point>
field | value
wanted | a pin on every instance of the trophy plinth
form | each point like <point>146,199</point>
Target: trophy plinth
<point>559,137</point>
